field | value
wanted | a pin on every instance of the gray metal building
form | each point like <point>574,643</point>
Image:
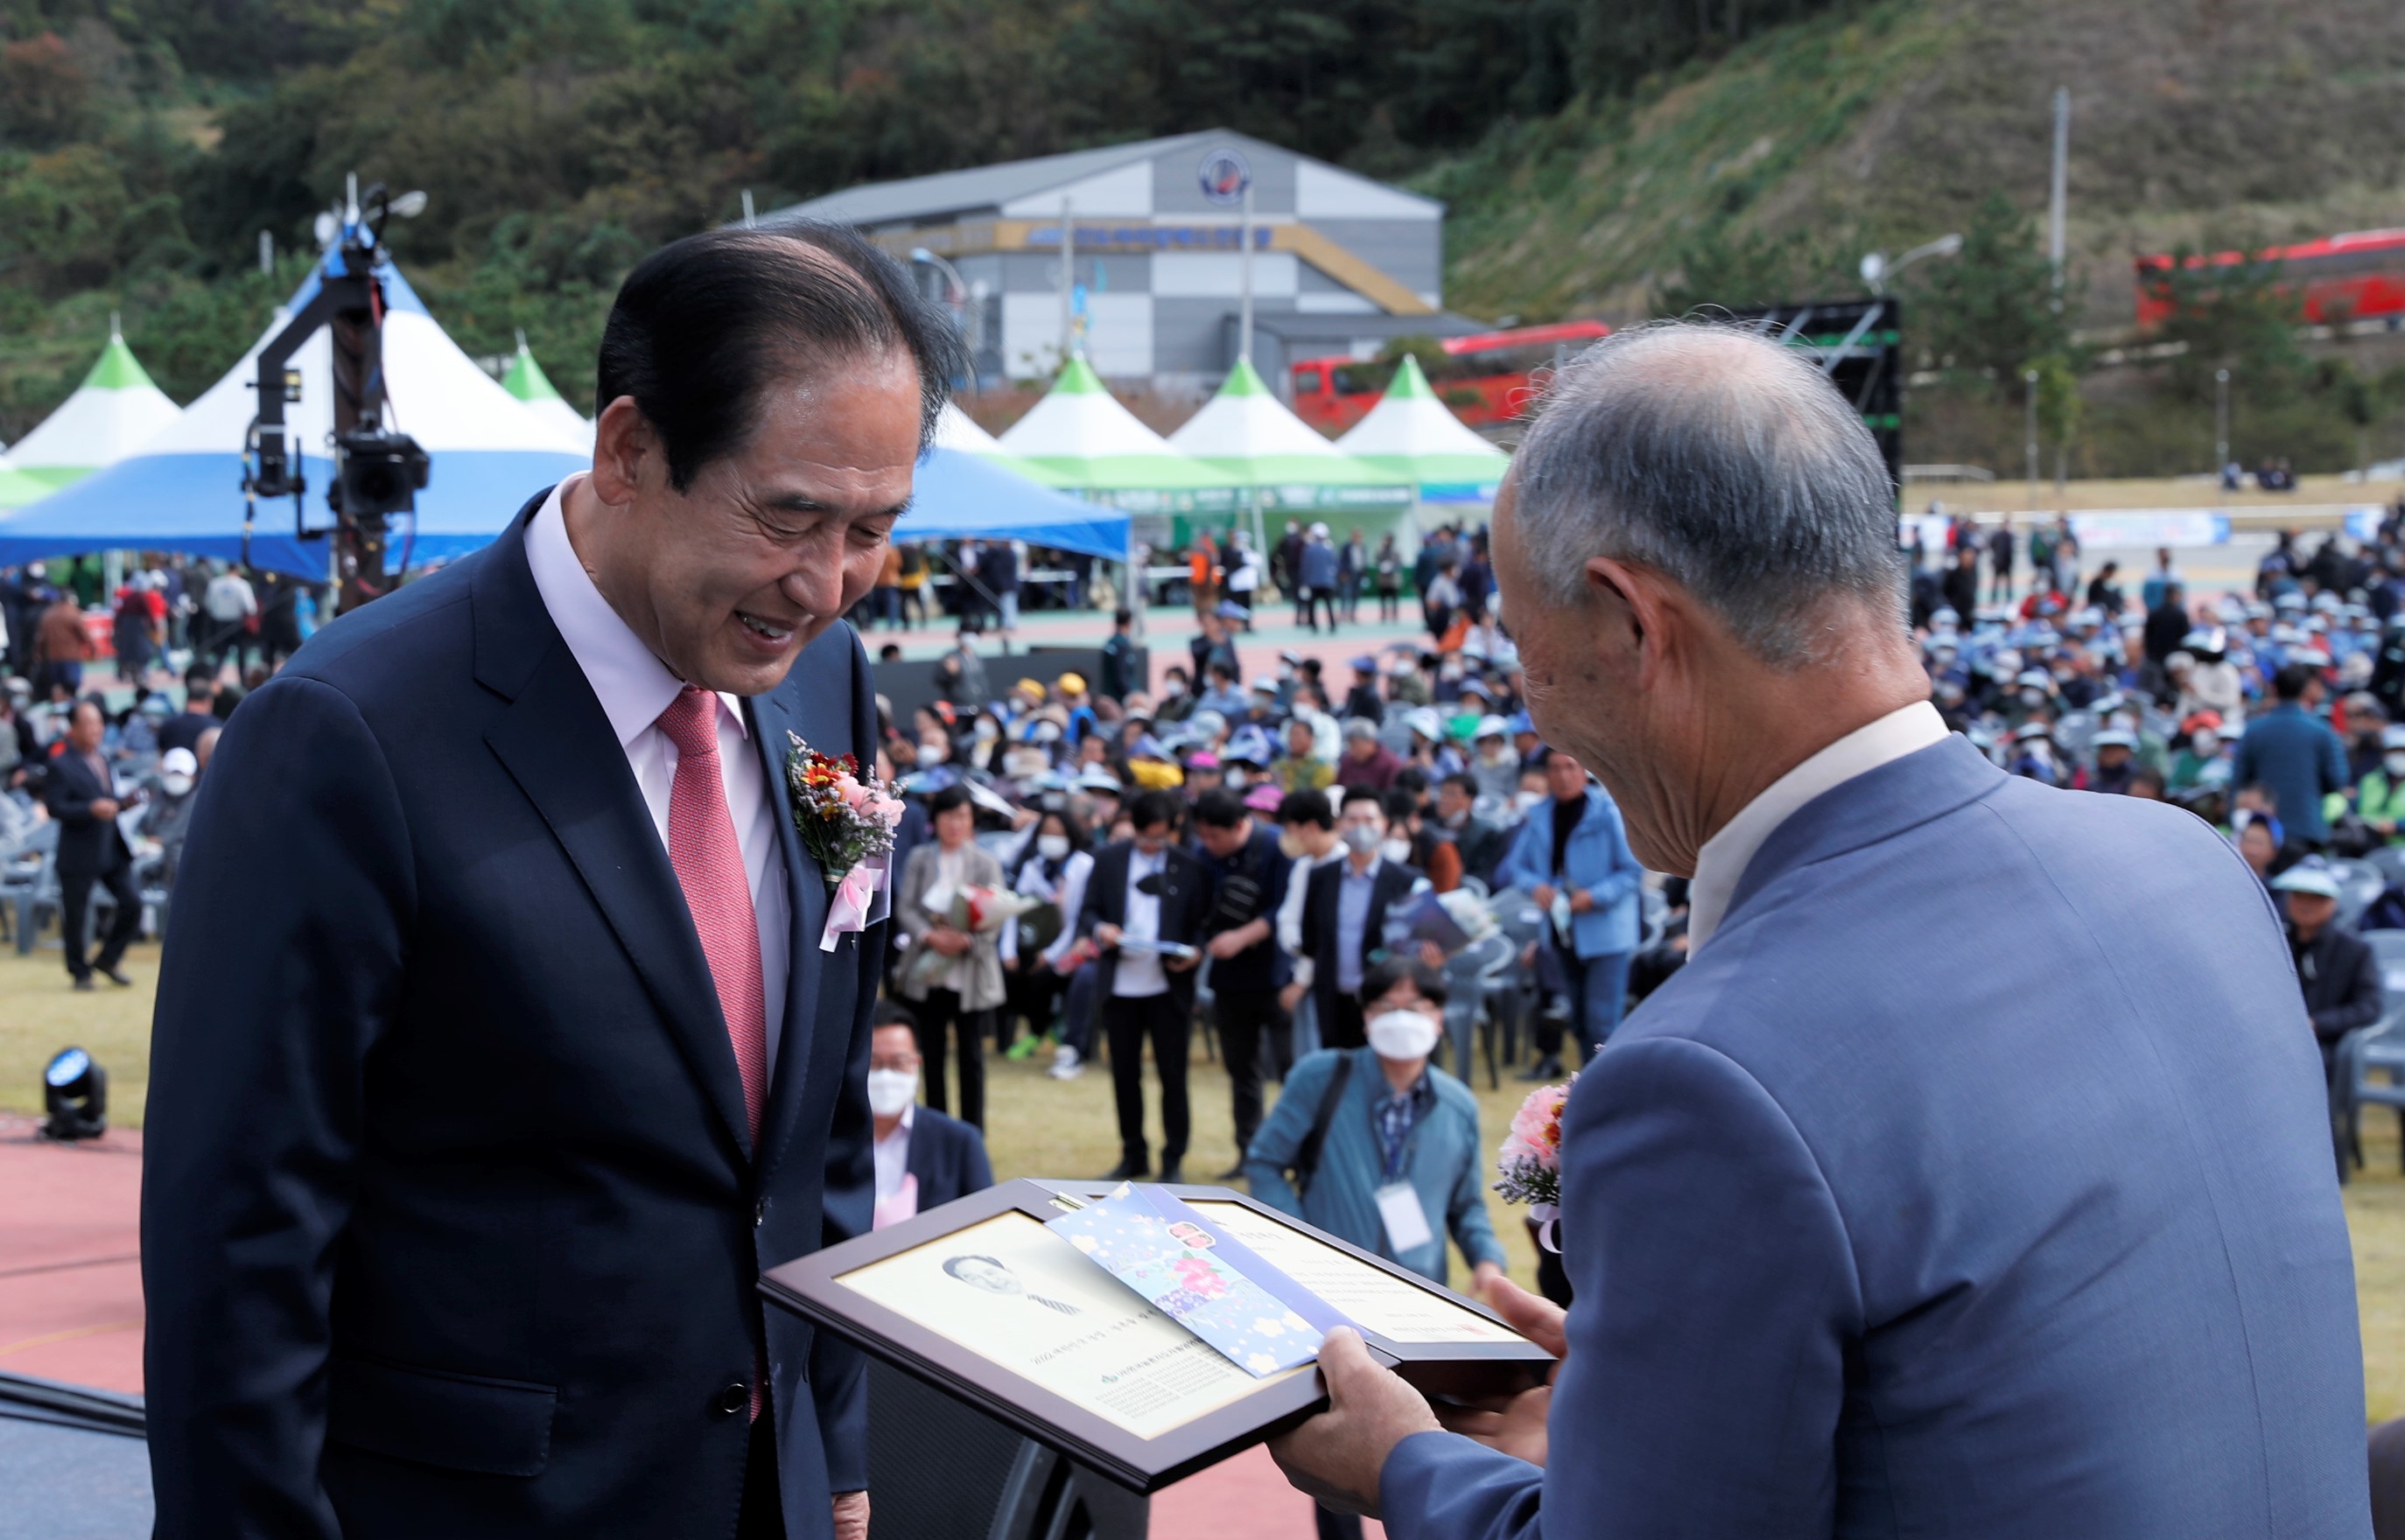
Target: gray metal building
<point>1340,263</point>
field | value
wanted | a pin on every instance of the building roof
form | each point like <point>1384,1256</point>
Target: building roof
<point>953,192</point>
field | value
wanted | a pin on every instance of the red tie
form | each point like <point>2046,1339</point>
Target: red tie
<point>710,868</point>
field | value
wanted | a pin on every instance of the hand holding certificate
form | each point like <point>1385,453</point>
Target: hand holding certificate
<point>1145,1331</point>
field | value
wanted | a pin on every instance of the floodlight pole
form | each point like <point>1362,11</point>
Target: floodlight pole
<point>1068,283</point>
<point>2061,193</point>
<point>1244,282</point>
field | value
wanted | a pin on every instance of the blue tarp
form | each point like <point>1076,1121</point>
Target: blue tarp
<point>962,497</point>
<point>192,503</point>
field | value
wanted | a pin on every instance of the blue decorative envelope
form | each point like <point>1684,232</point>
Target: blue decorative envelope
<point>1218,1288</point>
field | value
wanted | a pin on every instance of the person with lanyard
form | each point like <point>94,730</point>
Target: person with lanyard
<point>1377,1147</point>
<point>1248,969</point>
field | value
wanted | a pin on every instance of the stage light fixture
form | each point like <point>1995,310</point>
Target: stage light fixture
<point>75,1094</point>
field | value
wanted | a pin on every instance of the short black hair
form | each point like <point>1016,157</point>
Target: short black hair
<point>1387,972</point>
<point>1306,807</point>
<point>954,795</point>
<point>2290,681</point>
<point>1153,809</point>
<point>1397,802</point>
<point>1462,782</point>
<point>892,1013</point>
<point>1221,808</point>
<point>1122,617</point>
<point>200,679</point>
<point>701,324</point>
<point>1366,793</point>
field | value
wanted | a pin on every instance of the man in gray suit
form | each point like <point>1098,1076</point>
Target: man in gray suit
<point>1873,1235</point>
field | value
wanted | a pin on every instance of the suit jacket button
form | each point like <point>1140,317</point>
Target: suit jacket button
<point>759,1213</point>
<point>733,1398</point>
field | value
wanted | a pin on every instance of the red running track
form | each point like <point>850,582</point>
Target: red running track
<point>71,1309</point>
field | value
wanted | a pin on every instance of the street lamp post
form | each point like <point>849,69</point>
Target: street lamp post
<point>2029,387</point>
<point>2220,421</point>
<point>1876,269</point>
<point>972,322</point>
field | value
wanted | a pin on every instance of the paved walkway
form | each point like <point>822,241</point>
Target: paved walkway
<point>71,1309</point>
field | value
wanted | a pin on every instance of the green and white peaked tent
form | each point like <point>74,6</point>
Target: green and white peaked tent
<point>1412,432</point>
<point>1248,436</point>
<point>1078,437</point>
<point>16,488</point>
<point>956,430</point>
<point>527,381</point>
<point>112,414</point>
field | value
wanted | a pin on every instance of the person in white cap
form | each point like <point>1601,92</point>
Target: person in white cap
<point>2335,967</point>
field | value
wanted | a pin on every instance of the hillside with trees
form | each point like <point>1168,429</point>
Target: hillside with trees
<point>1618,160</point>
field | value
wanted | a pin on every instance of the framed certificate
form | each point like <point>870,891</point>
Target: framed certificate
<point>982,1299</point>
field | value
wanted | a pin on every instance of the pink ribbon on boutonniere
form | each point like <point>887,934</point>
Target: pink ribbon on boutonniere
<point>848,906</point>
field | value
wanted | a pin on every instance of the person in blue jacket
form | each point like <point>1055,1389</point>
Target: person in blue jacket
<point>1574,850</point>
<point>1398,1165</point>
<point>1869,1238</point>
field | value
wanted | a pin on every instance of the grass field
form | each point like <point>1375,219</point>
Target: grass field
<point>1037,1127</point>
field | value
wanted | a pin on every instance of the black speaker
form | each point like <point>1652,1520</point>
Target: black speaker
<point>941,1470</point>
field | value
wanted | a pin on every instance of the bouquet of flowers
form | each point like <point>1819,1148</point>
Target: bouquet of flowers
<point>1530,1160</point>
<point>971,911</point>
<point>846,821</point>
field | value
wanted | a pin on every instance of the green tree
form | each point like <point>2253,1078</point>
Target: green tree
<point>1991,310</point>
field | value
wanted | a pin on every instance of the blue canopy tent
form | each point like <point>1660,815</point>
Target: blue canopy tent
<point>182,490</point>
<point>958,495</point>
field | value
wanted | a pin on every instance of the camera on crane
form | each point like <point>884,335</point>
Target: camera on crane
<point>379,469</point>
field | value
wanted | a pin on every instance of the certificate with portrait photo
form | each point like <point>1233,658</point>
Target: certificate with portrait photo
<point>980,1299</point>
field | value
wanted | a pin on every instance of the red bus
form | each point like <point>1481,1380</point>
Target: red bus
<point>1484,378</point>
<point>2356,277</point>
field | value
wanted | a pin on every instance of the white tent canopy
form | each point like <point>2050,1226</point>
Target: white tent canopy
<point>1412,432</point>
<point>111,414</point>
<point>527,381</point>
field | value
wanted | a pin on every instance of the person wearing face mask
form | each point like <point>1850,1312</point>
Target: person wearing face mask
<point>2380,795</point>
<point>924,1159</point>
<point>1399,1164</point>
<point>2201,763</point>
<point>1051,866</point>
<point>952,1003</point>
<point>172,787</point>
<point>1411,842</point>
<point>1344,915</point>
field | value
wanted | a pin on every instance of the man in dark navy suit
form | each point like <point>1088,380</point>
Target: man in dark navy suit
<point>1344,916</point>
<point>503,1040</point>
<point>925,1158</point>
<point>82,796</point>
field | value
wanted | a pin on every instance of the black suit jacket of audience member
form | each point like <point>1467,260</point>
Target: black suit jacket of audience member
<point>1262,965</point>
<point>947,1156</point>
<point>88,846</point>
<point>454,1219</point>
<point>1187,894</point>
<point>1392,881</point>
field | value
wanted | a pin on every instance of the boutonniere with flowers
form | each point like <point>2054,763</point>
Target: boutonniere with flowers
<point>846,820</point>
<point>1530,1160</point>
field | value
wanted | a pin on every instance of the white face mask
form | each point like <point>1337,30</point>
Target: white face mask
<point>1360,838</point>
<point>986,730</point>
<point>2205,745</point>
<point>1527,801</point>
<point>176,785</point>
<point>1052,847</point>
<point>1233,780</point>
<point>1402,1036</point>
<point>2395,763</point>
<point>891,1090</point>
<point>1396,850</point>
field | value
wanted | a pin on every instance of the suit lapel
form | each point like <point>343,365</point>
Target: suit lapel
<point>821,988</point>
<point>558,746</point>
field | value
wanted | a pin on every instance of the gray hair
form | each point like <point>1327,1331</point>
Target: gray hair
<point>1725,462</point>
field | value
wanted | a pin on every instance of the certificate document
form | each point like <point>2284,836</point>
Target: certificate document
<point>1022,1297</point>
<point>1372,1299</point>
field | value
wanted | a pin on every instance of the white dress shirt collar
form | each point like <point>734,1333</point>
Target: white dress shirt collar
<point>1721,864</point>
<point>633,685</point>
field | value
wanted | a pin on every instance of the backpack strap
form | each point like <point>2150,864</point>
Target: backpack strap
<point>1306,1155</point>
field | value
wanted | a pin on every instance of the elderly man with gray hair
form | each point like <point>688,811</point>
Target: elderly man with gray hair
<point>1870,1236</point>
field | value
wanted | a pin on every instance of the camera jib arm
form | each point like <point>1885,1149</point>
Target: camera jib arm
<point>378,470</point>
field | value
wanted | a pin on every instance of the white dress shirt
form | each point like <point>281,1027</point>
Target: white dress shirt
<point>1721,864</point>
<point>892,1155</point>
<point>634,687</point>
<point>1140,974</point>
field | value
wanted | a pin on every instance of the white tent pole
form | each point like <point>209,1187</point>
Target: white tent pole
<point>1068,283</point>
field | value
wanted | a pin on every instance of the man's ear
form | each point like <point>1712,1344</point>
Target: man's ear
<point>622,440</point>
